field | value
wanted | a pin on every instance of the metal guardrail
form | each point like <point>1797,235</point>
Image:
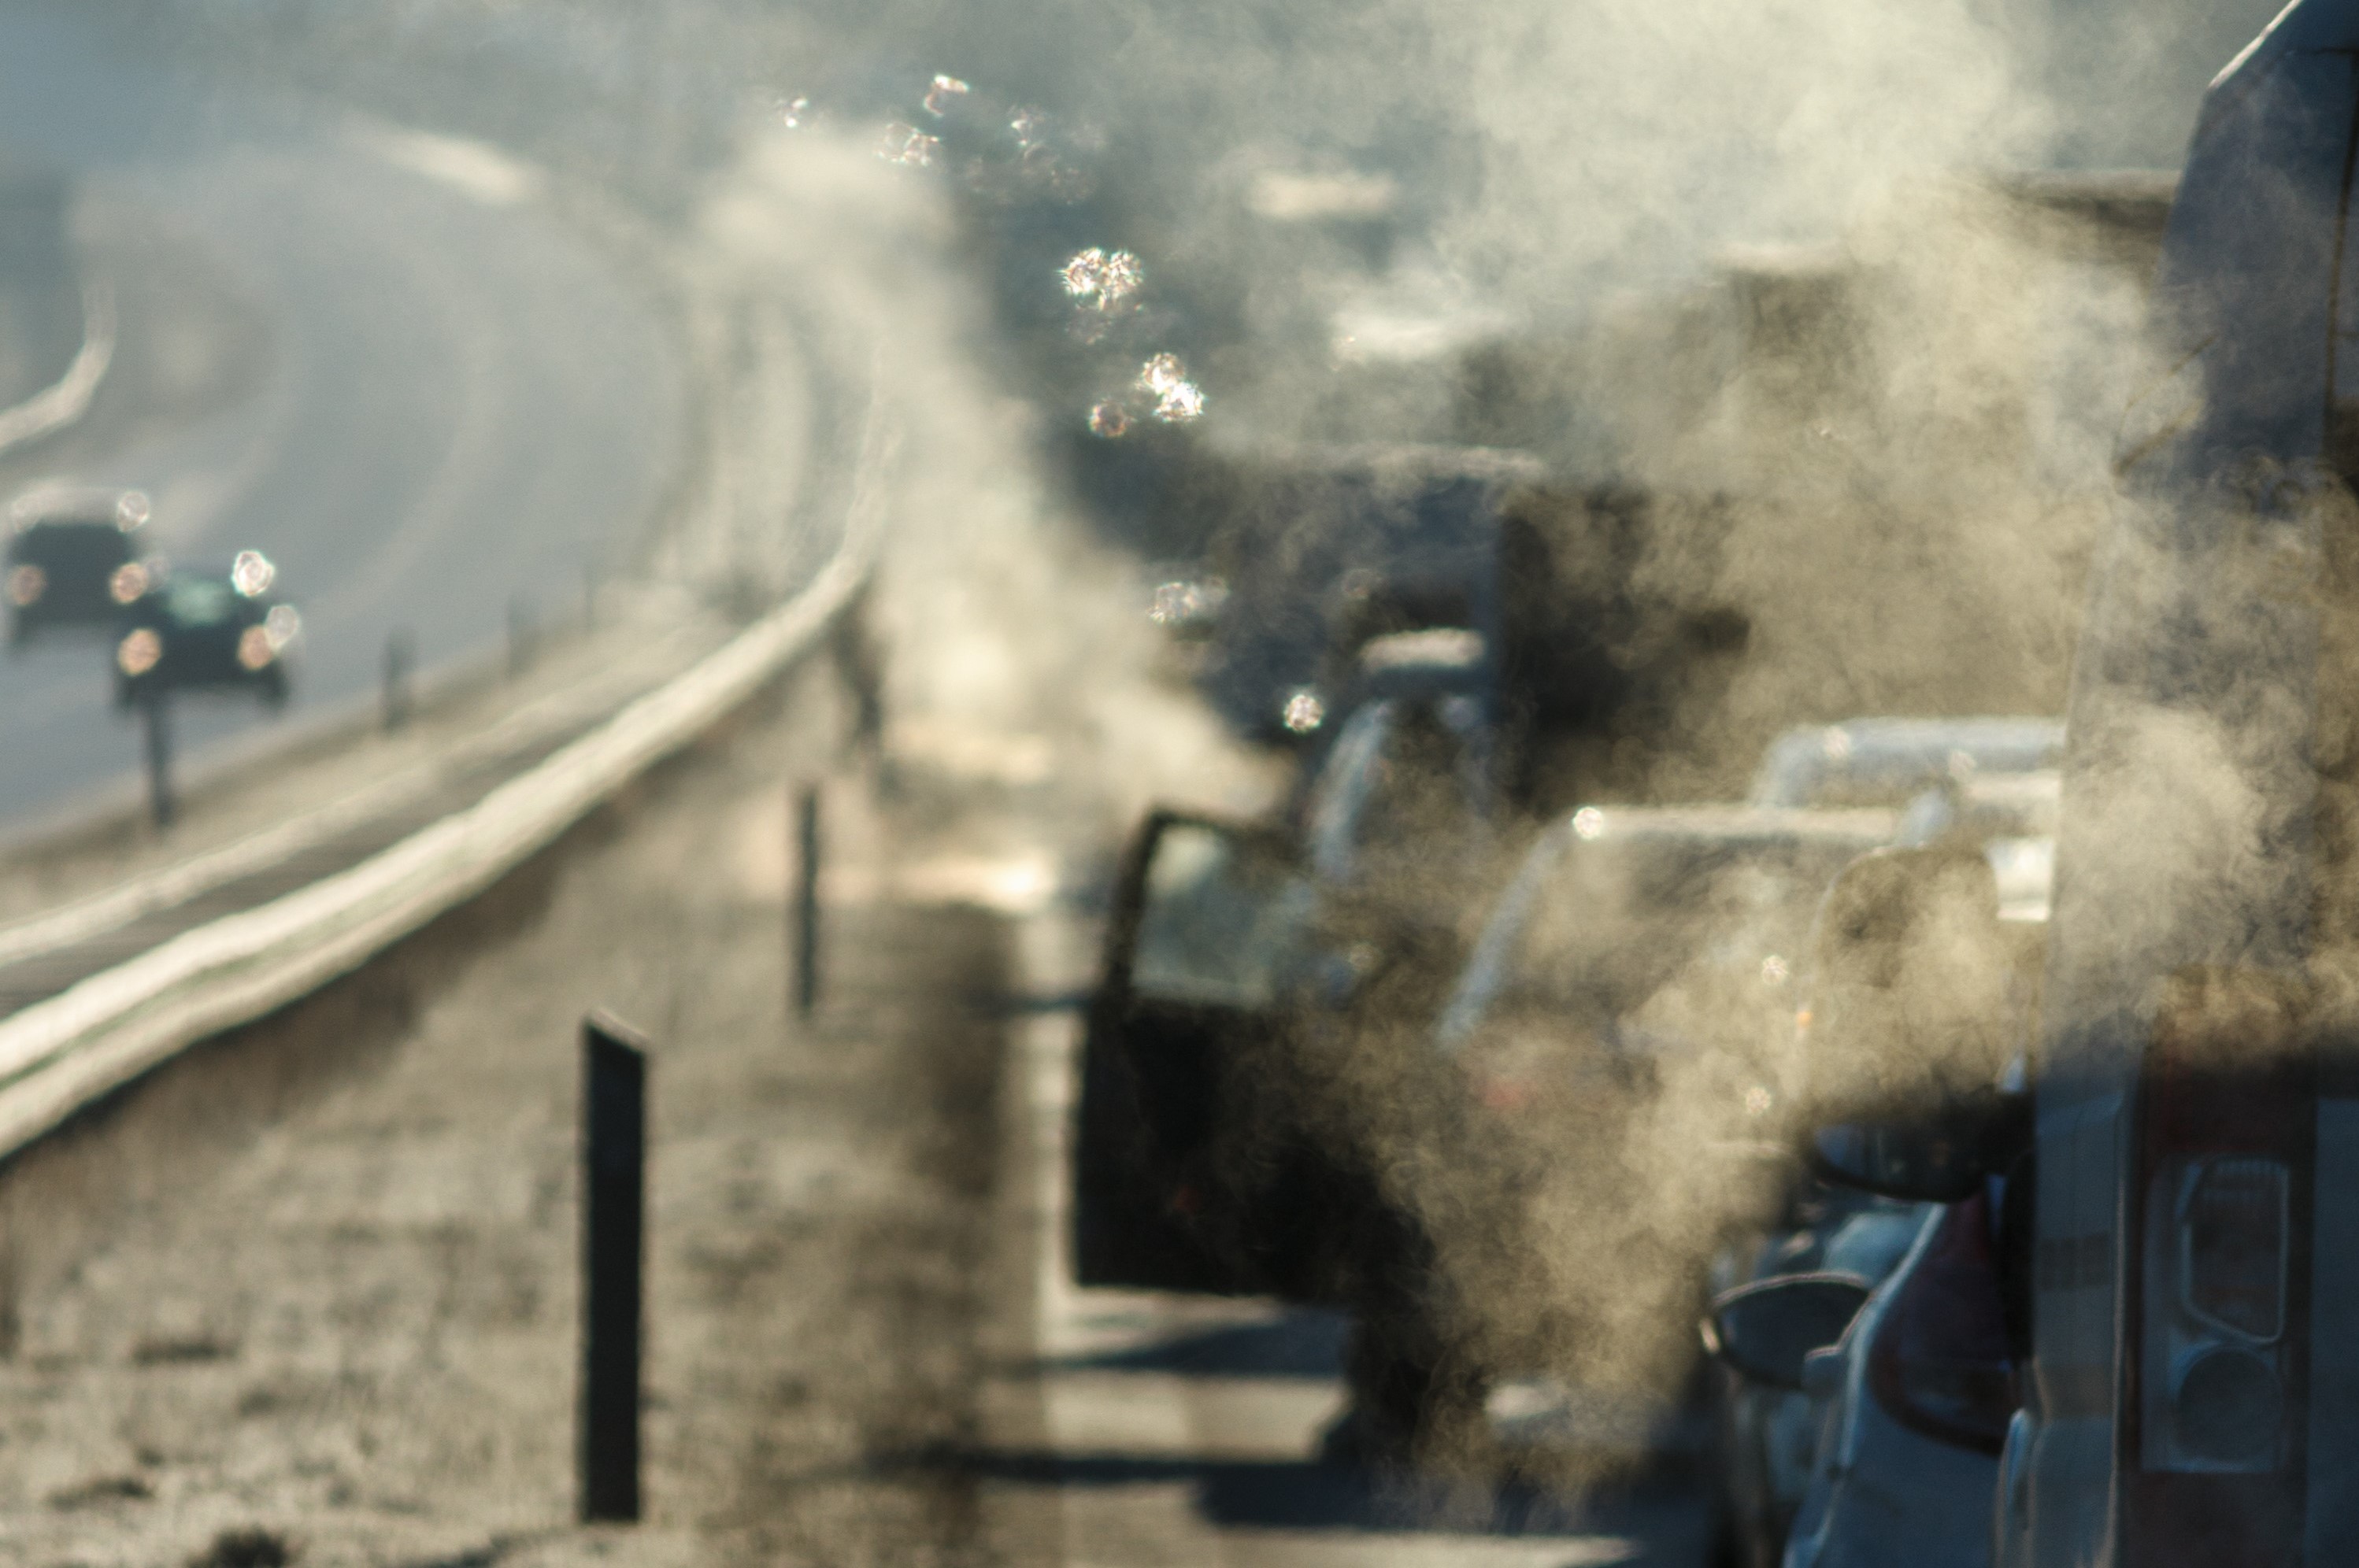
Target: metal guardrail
<point>62,1054</point>
<point>64,401</point>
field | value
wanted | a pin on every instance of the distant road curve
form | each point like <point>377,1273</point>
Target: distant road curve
<point>376,356</point>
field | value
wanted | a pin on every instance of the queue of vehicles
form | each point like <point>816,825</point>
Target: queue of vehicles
<point>74,566</point>
<point>2038,1251</point>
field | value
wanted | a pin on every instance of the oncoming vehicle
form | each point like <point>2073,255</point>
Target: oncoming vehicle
<point>72,559</point>
<point>199,629</point>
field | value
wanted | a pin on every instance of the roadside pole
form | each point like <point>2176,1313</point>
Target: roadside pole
<point>399,655</point>
<point>806,933</point>
<point>156,726</point>
<point>614,1190</point>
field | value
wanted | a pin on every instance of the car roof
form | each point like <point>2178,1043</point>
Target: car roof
<point>76,504</point>
<point>1804,756</point>
<point>1739,822</point>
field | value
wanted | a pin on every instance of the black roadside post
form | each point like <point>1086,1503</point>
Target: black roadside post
<point>806,900</point>
<point>155,727</point>
<point>398,657</point>
<point>614,1165</point>
<point>523,635</point>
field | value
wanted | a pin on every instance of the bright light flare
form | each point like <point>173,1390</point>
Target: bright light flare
<point>140,652</point>
<point>909,146</point>
<point>250,573</point>
<point>1304,712</point>
<point>26,585</point>
<point>254,649</point>
<point>1105,280</point>
<point>129,581</point>
<point>945,92</point>
<point>1178,400</point>
<point>282,625</point>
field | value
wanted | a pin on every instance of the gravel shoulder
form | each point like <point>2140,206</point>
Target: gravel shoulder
<point>317,1280</point>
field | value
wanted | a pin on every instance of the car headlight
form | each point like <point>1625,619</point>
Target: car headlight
<point>281,625</point>
<point>254,649</point>
<point>1303,711</point>
<point>27,584</point>
<point>251,572</point>
<point>129,581</point>
<point>139,651</point>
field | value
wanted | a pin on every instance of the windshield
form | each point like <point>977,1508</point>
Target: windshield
<point>90,546</point>
<point>1218,923</point>
<point>198,601</point>
<point>1401,791</point>
<point>1591,929</point>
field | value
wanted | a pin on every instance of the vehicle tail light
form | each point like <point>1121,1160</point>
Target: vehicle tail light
<point>2216,1315</point>
<point>254,649</point>
<point>1940,1362</point>
<point>139,651</point>
<point>27,584</point>
<point>129,581</point>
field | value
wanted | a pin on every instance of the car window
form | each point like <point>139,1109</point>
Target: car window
<point>1219,924</point>
<point>70,547</point>
<point>198,601</point>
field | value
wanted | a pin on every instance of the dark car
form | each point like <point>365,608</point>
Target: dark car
<point>206,629</point>
<point>72,560</point>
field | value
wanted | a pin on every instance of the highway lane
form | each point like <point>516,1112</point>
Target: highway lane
<point>381,359</point>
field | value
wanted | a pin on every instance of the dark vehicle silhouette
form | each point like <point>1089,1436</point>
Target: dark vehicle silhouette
<point>73,561</point>
<point>2192,1387</point>
<point>206,629</point>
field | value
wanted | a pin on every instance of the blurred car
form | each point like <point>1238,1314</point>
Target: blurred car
<point>1616,903</point>
<point>1433,682</point>
<point>1908,1397</point>
<point>1886,762</point>
<point>1331,549</point>
<point>1222,1144</point>
<point>1765,1436</point>
<point>1641,955</point>
<point>206,629</point>
<point>72,560</point>
<point>1768,1434</point>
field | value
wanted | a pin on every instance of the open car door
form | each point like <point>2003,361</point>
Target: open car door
<point>1172,1187</point>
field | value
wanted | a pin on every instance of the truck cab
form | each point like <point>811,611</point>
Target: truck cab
<point>2192,1396</point>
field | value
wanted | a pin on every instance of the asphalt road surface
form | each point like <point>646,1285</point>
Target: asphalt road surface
<point>381,359</point>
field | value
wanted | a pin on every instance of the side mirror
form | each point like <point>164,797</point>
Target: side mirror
<point>1944,1157</point>
<point>1765,1331</point>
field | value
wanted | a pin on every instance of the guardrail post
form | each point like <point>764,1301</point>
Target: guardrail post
<point>806,809</point>
<point>520,636</point>
<point>859,667</point>
<point>613,1166</point>
<point>399,655</point>
<point>156,728</point>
